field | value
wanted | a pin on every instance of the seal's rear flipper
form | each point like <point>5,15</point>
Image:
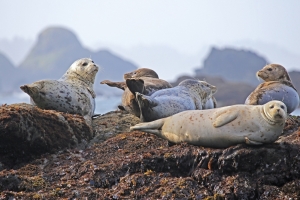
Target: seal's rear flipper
<point>135,85</point>
<point>150,127</point>
<point>145,104</point>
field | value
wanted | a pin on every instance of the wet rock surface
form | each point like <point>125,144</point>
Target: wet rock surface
<point>118,164</point>
<point>27,131</point>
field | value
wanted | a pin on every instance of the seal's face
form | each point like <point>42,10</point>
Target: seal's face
<point>142,72</point>
<point>275,112</point>
<point>85,68</point>
<point>273,72</point>
<point>202,88</point>
<point>208,87</point>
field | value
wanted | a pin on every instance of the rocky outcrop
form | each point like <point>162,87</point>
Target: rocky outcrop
<point>57,48</point>
<point>27,131</point>
<point>136,165</point>
<point>233,65</point>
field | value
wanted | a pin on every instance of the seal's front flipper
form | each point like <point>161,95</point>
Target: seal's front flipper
<point>225,117</point>
<point>252,142</point>
<point>214,101</point>
<point>120,85</point>
<point>91,91</point>
<point>135,85</point>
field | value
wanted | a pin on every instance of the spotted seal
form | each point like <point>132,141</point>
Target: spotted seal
<point>72,93</point>
<point>277,86</point>
<point>222,127</point>
<point>190,94</point>
<point>142,80</point>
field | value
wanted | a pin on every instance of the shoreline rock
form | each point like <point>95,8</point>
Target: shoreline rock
<point>27,131</point>
<point>118,164</point>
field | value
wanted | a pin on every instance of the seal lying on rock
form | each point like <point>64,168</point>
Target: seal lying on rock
<point>188,95</point>
<point>222,127</point>
<point>277,86</point>
<point>72,93</point>
<point>143,80</point>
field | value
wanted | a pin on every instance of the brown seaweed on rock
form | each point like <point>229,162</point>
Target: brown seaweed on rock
<point>137,165</point>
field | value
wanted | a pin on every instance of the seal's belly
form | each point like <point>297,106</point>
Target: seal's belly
<point>283,93</point>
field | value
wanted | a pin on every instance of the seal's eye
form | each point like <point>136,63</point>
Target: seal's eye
<point>269,69</point>
<point>92,61</point>
<point>282,107</point>
<point>84,64</point>
<point>271,106</point>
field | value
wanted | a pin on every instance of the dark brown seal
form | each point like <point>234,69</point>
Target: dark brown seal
<point>144,81</point>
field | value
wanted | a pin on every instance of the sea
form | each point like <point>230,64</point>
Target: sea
<point>103,104</point>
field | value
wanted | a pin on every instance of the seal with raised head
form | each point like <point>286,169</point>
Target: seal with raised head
<point>72,93</point>
<point>222,127</point>
<point>190,94</point>
<point>144,81</point>
<point>277,86</point>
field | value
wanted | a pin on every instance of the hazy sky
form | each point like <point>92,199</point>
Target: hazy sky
<point>186,26</point>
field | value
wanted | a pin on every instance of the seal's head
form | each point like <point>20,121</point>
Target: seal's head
<point>275,112</point>
<point>142,72</point>
<point>273,72</point>
<point>202,88</point>
<point>83,69</point>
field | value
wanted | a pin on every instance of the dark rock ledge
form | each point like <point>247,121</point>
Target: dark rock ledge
<point>51,155</point>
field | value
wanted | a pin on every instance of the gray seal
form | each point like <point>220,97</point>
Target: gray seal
<point>190,94</point>
<point>277,86</point>
<point>222,127</point>
<point>72,93</point>
<point>144,81</point>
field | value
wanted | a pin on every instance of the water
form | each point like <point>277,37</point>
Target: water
<point>296,112</point>
<point>103,104</point>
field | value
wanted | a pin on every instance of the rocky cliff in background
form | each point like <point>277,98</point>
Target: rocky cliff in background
<point>232,71</point>
<point>232,65</point>
<point>42,157</point>
<point>55,50</point>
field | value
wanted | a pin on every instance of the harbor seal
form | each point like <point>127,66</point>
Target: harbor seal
<point>222,127</point>
<point>72,93</point>
<point>277,86</point>
<point>190,94</point>
<point>144,81</point>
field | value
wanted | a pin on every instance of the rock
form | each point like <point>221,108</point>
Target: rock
<point>137,165</point>
<point>235,65</point>
<point>27,131</point>
<point>111,124</point>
